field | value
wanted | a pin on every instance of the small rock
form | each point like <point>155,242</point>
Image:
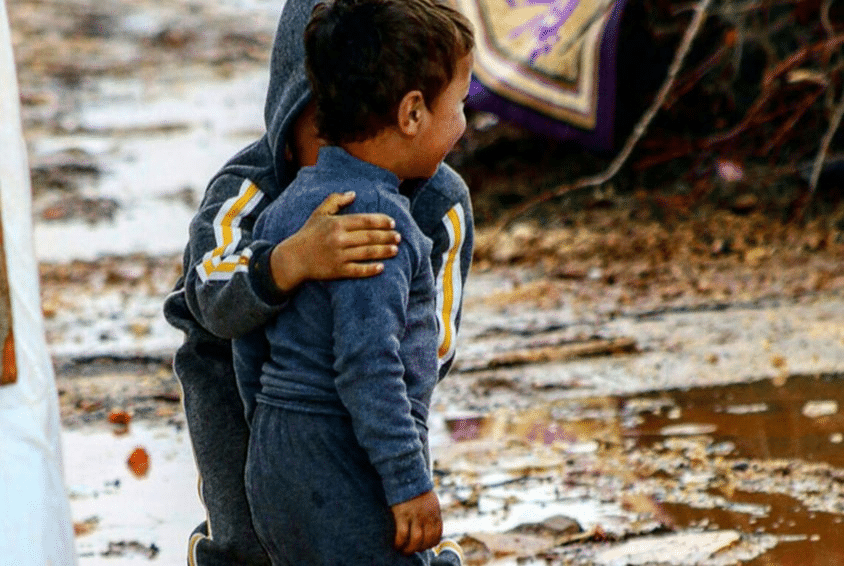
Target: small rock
<point>555,525</point>
<point>817,409</point>
<point>688,429</point>
<point>139,329</point>
<point>755,256</point>
<point>751,408</point>
<point>745,203</point>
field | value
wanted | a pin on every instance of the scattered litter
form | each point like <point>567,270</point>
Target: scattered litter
<point>120,420</point>
<point>85,526</point>
<point>131,548</point>
<point>138,462</point>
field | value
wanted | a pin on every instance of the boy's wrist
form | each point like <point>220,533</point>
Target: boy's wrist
<point>286,268</point>
<point>261,277</point>
<point>405,478</point>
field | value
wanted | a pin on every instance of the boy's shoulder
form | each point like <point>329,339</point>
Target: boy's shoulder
<point>337,171</point>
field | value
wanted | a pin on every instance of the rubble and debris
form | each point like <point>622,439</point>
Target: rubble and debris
<point>679,549</point>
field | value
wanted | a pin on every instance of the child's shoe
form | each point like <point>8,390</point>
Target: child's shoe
<point>447,553</point>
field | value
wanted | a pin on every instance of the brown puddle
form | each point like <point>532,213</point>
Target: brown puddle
<point>796,420</point>
<point>799,419</point>
<point>817,536</point>
<point>774,433</point>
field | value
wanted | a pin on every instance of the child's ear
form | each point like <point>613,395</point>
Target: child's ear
<point>411,112</point>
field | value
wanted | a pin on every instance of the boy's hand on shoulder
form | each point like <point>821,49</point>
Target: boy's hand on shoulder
<point>332,246</point>
<point>419,524</point>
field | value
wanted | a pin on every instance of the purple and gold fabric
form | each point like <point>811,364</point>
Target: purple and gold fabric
<point>548,65</point>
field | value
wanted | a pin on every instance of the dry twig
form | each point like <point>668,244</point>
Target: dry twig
<point>834,122</point>
<point>789,124</point>
<point>800,56</point>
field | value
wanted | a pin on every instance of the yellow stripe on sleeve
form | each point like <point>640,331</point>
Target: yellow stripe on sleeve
<point>450,283</point>
<point>218,264</point>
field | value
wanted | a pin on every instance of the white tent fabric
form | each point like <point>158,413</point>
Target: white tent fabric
<point>35,525</point>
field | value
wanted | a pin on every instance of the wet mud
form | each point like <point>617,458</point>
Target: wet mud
<point>709,428</point>
<point>637,381</point>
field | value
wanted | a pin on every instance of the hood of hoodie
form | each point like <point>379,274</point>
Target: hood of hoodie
<point>288,92</point>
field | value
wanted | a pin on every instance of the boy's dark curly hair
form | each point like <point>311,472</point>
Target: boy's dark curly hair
<point>363,56</point>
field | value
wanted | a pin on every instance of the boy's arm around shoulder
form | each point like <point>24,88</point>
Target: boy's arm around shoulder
<point>228,284</point>
<point>234,283</point>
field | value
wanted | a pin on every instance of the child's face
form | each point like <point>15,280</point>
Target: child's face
<point>446,121</point>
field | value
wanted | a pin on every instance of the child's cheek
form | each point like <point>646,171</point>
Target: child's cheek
<point>460,127</point>
<point>462,116</point>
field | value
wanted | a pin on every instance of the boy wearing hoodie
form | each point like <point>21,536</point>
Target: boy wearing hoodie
<point>338,470</point>
<point>233,283</point>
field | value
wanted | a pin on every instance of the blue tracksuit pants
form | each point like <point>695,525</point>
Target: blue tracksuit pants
<point>315,497</point>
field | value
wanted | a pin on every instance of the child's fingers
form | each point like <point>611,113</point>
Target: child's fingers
<point>360,270</point>
<point>433,532</point>
<point>418,523</point>
<point>334,202</point>
<point>402,534</point>
<point>367,237</point>
<point>370,253</point>
<point>367,221</point>
<point>416,538</point>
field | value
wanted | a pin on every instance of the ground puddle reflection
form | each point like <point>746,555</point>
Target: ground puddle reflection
<point>762,459</point>
<point>798,419</point>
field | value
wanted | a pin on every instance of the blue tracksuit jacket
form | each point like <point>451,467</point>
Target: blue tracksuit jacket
<point>366,348</point>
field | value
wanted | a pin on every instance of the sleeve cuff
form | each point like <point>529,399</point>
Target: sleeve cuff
<point>261,277</point>
<point>406,480</point>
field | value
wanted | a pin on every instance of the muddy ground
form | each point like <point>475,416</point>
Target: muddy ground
<point>643,377</point>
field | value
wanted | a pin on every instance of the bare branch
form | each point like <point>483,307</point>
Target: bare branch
<point>834,122</point>
<point>827,23</point>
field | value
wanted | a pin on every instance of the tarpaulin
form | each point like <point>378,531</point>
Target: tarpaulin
<point>35,525</point>
<point>548,65</point>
